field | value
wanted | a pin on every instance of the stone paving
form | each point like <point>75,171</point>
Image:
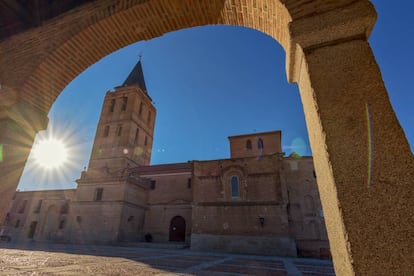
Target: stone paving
<point>63,259</point>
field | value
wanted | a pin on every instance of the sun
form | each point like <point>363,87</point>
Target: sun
<point>50,153</point>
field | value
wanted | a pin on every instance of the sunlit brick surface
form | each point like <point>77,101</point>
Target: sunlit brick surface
<point>39,63</point>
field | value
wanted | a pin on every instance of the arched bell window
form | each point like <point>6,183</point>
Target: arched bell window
<point>112,106</point>
<point>249,144</point>
<point>106,131</point>
<point>124,103</point>
<point>260,144</point>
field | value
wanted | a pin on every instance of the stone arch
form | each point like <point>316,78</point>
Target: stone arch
<point>327,54</point>
<point>114,25</point>
<point>142,22</point>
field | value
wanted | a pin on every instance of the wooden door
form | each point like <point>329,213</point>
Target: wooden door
<point>177,229</point>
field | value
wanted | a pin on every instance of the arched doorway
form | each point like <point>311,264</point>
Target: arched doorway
<point>177,229</point>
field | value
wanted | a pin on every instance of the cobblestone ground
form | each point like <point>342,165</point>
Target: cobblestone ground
<point>60,259</point>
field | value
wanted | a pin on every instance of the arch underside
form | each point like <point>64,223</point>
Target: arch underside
<point>67,45</point>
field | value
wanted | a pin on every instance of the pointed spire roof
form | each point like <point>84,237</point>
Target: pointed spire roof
<point>136,77</point>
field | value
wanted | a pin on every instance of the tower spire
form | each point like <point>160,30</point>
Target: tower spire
<point>136,77</point>
<point>126,126</point>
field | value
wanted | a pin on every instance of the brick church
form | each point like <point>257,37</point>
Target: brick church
<point>257,201</point>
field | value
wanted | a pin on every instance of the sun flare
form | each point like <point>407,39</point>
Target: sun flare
<point>50,153</point>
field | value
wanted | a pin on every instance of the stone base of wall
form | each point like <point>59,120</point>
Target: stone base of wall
<point>277,246</point>
<point>313,249</point>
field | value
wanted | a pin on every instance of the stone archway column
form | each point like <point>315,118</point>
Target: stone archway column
<point>364,164</point>
<point>19,123</point>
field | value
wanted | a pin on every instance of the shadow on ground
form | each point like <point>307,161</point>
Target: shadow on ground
<point>58,259</point>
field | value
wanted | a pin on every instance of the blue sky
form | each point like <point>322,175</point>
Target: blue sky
<point>212,82</point>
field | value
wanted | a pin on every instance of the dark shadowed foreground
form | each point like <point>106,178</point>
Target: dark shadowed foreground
<point>61,259</point>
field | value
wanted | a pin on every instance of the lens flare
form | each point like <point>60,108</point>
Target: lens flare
<point>50,153</point>
<point>299,146</point>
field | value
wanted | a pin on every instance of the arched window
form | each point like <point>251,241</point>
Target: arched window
<point>260,144</point>
<point>136,136</point>
<point>124,103</point>
<point>119,130</point>
<point>149,117</point>
<point>106,131</point>
<point>235,191</point>
<point>249,144</point>
<point>140,108</point>
<point>112,106</point>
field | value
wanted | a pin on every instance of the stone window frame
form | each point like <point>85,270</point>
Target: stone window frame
<point>227,175</point>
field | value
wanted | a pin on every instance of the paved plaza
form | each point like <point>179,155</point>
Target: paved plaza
<point>63,259</point>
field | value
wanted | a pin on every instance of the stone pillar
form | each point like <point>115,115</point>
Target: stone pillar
<point>19,123</point>
<point>364,165</point>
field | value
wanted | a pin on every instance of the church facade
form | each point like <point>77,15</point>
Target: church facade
<point>257,201</point>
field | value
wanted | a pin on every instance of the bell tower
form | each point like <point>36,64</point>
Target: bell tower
<point>126,127</point>
<point>108,198</point>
